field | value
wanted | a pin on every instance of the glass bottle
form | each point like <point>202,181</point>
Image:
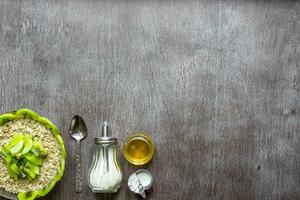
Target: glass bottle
<point>105,174</point>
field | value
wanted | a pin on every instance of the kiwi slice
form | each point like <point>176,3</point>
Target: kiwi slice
<point>17,148</point>
<point>28,143</point>
<point>6,156</point>
<point>12,174</point>
<point>33,159</point>
<point>34,168</point>
<point>29,174</point>
<point>16,139</point>
<point>38,150</point>
<point>14,168</point>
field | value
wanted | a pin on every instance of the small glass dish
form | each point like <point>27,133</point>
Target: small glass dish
<point>138,148</point>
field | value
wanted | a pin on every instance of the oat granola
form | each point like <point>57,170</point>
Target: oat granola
<point>50,165</point>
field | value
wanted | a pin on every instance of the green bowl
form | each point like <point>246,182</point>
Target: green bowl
<point>29,114</point>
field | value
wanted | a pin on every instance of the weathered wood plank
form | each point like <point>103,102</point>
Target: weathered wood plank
<point>217,83</point>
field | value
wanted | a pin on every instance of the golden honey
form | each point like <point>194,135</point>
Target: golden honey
<point>138,148</point>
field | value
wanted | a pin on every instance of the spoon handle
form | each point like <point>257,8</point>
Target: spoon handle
<point>78,178</point>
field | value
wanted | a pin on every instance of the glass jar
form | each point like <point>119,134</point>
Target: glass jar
<point>105,174</point>
<point>139,148</point>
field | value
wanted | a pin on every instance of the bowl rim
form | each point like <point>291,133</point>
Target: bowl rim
<point>25,113</point>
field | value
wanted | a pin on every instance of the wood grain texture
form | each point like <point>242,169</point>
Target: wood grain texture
<point>216,83</point>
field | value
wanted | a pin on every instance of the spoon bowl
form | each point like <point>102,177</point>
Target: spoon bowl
<point>77,128</point>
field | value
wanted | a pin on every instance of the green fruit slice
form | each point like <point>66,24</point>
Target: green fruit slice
<point>21,173</point>
<point>17,148</point>
<point>38,150</point>
<point>12,174</point>
<point>14,168</point>
<point>6,156</point>
<point>34,159</point>
<point>8,159</point>
<point>6,149</point>
<point>16,139</point>
<point>34,168</point>
<point>30,175</point>
<point>28,143</point>
<point>35,151</point>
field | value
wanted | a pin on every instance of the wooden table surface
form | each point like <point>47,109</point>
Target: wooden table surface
<point>216,83</point>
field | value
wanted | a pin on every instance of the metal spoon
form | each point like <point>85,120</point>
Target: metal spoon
<point>78,132</point>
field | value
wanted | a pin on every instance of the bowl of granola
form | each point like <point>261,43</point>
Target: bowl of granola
<point>32,153</point>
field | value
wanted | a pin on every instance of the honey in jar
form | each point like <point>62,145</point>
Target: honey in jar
<point>138,148</point>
